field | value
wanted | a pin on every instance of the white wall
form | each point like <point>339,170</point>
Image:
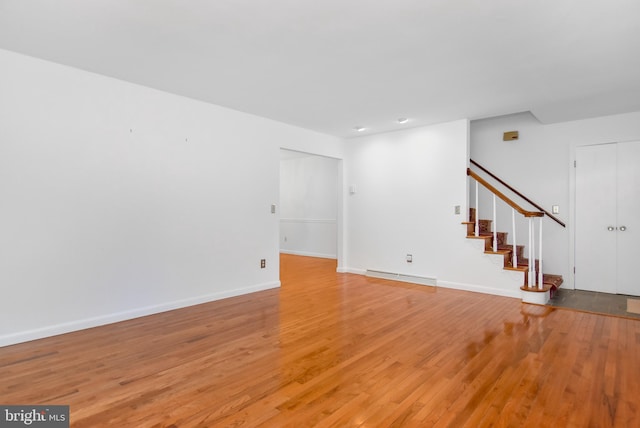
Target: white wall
<point>408,183</point>
<point>308,205</point>
<point>119,200</point>
<point>540,165</point>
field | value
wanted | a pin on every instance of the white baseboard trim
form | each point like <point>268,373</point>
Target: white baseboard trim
<point>396,276</point>
<point>352,270</point>
<point>480,289</point>
<point>454,285</point>
<point>309,254</point>
<point>54,330</point>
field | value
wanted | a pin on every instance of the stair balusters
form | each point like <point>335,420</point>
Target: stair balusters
<point>477,219</point>
<point>535,278</point>
<point>540,283</point>
<point>495,226</point>
<point>531,280</point>
<point>513,228</point>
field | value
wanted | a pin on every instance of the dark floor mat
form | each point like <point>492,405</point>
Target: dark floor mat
<point>602,303</point>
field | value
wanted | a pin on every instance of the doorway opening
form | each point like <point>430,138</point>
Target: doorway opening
<point>310,205</point>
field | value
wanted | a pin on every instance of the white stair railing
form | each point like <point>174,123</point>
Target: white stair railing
<point>534,273</point>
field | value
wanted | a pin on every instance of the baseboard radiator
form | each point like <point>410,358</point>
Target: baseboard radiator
<point>414,279</point>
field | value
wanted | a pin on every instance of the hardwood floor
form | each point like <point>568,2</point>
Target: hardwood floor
<point>339,350</point>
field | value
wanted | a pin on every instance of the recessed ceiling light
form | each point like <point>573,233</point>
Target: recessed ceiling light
<point>359,128</point>
<point>403,120</point>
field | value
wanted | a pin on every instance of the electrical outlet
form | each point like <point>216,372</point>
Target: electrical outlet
<point>457,209</point>
<point>555,209</point>
<point>409,258</point>
<point>263,263</point>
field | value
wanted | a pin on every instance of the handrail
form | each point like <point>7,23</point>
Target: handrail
<point>503,197</point>
<point>517,193</point>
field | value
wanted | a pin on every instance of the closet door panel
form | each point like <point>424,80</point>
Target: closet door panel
<point>595,238</point>
<point>628,218</point>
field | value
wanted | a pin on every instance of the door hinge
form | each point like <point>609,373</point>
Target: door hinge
<point>574,164</point>
<point>574,269</point>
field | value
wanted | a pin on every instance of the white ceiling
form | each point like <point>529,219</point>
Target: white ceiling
<point>332,65</point>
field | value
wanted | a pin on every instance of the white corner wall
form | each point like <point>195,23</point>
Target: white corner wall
<point>120,201</point>
<point>309,205</point>
<point>540,165</point>
<point>407,185</point>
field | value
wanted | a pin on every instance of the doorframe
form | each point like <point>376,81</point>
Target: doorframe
<point>340,250</point>
<point>572,215</point>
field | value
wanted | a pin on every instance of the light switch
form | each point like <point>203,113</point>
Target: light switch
<point>555,209</point>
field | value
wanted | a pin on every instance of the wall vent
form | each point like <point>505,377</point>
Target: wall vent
<point>414,279</point>
<point>510,136</point>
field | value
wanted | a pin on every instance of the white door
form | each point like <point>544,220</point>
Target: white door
<point>595,218</point>
<point>628,233</point>
<point>607,196</point>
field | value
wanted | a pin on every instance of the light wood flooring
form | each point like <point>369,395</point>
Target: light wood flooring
<point>339,350</point>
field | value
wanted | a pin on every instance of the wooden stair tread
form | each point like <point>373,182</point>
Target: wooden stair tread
<point>501,252</point>
<point>549,282</point>
<point>481,235</point>
<point>535,289</point>
<point>554,280</point>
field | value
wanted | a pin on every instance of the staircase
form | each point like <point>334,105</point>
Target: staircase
<point>531,292</point>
